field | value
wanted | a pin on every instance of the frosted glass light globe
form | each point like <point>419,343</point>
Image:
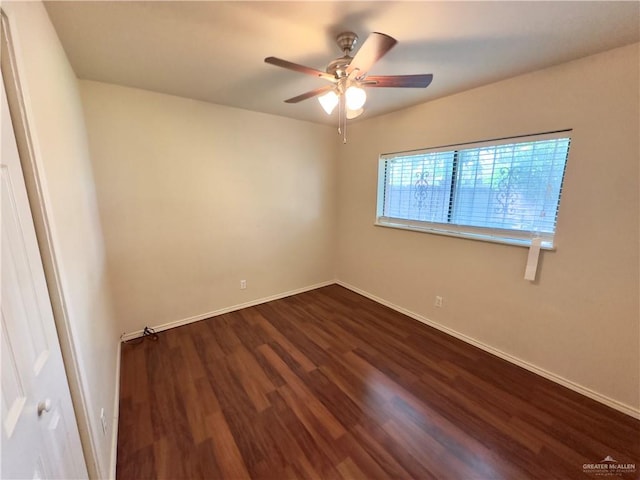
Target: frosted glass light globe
<point>351,114</point>
<point>356,97</point>
<point>328,101</point>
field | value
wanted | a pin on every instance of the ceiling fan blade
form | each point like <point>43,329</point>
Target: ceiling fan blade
<point>278,62</point>
<point>373,49</point>
<point>309,94</point>
<point>405,81</point>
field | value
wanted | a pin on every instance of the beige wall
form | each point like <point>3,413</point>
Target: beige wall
<point>195,197</point>
<point>580,319</point>
<point>55,118</point>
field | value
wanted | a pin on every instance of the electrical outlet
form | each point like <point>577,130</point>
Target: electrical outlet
<point>103,421</point>
<point>438,302</point>
<point>243,284</point>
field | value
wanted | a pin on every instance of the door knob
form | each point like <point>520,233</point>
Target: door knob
<point>44,406</point>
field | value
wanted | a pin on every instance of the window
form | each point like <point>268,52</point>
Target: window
<point>501,190</point>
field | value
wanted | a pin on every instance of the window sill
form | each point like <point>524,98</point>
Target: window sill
<point>483,237</point>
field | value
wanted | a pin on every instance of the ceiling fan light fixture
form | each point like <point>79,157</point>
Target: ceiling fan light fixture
<point>355,97</point>
<point>328,101</point>
<point>349,74</point>
<point>351,114</point>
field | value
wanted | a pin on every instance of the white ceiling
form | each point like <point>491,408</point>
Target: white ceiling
<point>214,51</point>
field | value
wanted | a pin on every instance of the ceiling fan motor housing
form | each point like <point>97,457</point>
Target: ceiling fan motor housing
<point>346,41</point>
<point>338,67</point>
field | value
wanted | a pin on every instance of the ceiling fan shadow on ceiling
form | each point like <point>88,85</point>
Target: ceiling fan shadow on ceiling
<point>349,77</point>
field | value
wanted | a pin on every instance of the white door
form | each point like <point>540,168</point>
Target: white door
<point>39,433</point>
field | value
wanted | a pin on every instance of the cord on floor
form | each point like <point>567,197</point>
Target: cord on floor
<point>147,333</point>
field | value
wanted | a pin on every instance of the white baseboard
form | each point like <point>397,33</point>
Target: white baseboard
<point>233,308</point>
<point>587,392</point>
<point>113,458</point>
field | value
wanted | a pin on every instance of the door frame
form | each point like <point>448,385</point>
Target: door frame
<point>39,211</point>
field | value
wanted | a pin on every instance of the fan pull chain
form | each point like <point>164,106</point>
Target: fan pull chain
<point>340,116</point>
<point>342,119</point>
<point>344,129</point>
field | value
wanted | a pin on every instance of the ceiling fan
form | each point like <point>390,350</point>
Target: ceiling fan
<point>348,76</point>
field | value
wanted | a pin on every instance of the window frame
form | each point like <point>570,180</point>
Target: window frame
<point>521,238</point>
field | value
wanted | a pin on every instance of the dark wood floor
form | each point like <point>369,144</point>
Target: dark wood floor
<point>328,384</point>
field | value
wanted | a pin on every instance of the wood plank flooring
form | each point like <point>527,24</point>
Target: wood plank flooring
<point>330,385</point>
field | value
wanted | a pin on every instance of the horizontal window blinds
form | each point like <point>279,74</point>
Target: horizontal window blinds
<point>511,185</point>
